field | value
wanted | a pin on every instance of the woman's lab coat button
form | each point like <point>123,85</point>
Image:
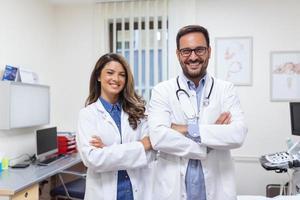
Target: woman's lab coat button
<point>135,190</point>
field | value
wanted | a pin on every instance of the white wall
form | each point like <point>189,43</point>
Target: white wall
<point>74,62</point>
<point>62,43</point>
<point>26,40</point>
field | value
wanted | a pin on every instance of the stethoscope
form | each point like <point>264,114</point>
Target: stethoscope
<point>205,100</point>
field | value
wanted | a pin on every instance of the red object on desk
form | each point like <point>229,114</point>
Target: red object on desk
<point>66,143</point>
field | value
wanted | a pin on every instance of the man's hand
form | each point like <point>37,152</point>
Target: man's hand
<point>96,142</point>
<point>224,118</point>
<point>146,143</point>
<point>183,129</point>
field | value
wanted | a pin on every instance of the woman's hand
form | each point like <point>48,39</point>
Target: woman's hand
<point>146,143</point>
<point>96,142</point>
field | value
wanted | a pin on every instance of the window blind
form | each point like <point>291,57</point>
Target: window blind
<point>138,30</point>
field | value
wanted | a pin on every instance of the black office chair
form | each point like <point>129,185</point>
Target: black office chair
<point>73,190</point>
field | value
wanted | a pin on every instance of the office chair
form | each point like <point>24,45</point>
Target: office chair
<point>73,190</point>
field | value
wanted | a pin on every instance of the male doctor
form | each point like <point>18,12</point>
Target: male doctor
<point>195,120</point>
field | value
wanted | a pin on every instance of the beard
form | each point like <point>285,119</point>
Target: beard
<point>197,73</point>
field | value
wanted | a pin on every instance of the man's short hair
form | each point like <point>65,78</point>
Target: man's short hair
<point>191,29</point>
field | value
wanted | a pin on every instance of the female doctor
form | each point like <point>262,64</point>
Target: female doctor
<point>111,134</point>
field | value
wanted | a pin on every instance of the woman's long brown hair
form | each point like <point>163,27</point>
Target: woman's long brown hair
<point>132,103</point>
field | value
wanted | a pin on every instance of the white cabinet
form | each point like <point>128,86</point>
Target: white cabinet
<point>23,105</point>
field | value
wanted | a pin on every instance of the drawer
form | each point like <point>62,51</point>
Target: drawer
<point>30,193</point>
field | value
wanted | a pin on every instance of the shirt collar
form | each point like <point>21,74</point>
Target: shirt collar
<point>191,84</point>
<point>108,106</point>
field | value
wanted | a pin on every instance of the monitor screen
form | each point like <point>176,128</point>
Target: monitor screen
<point>295,117</point>
<point>46,142</point>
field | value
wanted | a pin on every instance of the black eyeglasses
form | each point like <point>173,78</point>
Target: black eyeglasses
<point>199,51</point>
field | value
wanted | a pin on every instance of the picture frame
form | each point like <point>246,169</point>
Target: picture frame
<point>285,75</point>
<point>234,59</point>
<point>10,73</point>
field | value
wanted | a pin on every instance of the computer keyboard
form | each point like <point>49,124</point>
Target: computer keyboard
<point>51,160</point>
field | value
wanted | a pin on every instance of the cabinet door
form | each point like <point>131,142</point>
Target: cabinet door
<point>30,193</point>
<point>23,105</point>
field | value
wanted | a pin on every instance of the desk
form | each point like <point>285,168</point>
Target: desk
<point>16,181</point>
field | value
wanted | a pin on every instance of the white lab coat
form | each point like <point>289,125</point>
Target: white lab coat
<point>103,163</point>
<point>216,140</point>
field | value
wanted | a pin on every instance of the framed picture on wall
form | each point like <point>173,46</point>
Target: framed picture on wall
<point>234,59</point>
<point>285,76</point>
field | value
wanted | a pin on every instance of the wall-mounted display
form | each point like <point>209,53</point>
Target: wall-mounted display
<point>285,76</point>
<point>234,59</point>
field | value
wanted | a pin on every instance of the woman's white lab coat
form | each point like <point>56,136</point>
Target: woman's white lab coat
<point>216,140</point>
<point>103,163</point>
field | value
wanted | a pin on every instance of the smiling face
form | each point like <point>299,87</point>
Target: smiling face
<point>193,66</point>
<point>112,79</point>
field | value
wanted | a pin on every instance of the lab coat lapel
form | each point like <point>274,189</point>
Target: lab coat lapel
<point>124,126</point>
<point>192,99</point>
<point>207,86</point>
<point>107,118</point>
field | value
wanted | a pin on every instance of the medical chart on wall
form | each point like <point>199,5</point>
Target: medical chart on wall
<point>285,76</point>
<point>234,59</point>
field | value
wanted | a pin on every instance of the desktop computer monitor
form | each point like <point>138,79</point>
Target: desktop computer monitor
<point>295,117</point>
<point>46,143</point>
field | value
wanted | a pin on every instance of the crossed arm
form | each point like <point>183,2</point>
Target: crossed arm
<point>97,142</point>
<point>224,118</point>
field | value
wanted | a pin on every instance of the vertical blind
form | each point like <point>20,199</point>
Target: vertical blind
<point>138,30</point>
